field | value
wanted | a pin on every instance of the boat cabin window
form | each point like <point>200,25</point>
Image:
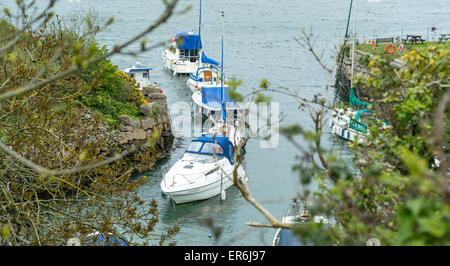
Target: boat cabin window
<point>188,55</point>
<point>145,75</point>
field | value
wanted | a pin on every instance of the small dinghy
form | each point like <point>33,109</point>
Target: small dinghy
<point>204,171</point>
<point>285,237</point>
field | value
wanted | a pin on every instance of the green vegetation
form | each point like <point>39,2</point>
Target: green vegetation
<point>381,48</point>
<point>60,176</point>
<point>397,188</point>
<point>115,95</point>
<point>398,194</point>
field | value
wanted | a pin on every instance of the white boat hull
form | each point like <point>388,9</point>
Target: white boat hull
<point>178,67</point>
<point>202,191</point>
<point>339,126</point>
<point>346,133</point>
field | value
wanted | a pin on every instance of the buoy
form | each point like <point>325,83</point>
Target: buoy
<point>160,91</point>
<point>374,45</point>
<point>223,195</point>
<point>393,51</point>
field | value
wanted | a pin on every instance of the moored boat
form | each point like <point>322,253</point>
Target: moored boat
<point>182,54</point>
<point>141,74</point>
<point>204,171</point>
<point>284,236</point>
<point>204,76</point>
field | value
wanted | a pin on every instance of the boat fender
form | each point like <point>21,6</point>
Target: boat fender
<point>401,48</point>
<point>223,195</point>
<point>199,88</point>
<point>389,51</point>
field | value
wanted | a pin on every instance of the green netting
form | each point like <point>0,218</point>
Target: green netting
<point>356,124</point>
<point>353,100</point>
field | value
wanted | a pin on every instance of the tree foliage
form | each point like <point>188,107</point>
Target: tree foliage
<point>51,78</point>
<point>394,191</point>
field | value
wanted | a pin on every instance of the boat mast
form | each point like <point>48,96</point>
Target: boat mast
<point>338,83</point>
<point>199,56</point>
<point>222,96</point>
<point>224,113</point>
<point>354,42</point>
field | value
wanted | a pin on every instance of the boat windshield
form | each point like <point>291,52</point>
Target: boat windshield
<point>203,152</point>
<point>195,146</point>
<point>200,158</point>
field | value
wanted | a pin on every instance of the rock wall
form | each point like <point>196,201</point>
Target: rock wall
<point>153,129</point>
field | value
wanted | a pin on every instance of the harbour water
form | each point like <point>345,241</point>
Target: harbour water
<point>259,43</point>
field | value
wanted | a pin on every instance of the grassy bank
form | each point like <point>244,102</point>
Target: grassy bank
<point>381,48</point>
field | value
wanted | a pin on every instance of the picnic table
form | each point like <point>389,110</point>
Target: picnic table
<point>413,39</point>
<point>444,37</point>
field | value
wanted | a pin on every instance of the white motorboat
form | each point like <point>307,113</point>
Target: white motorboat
<point>285,237</point>
<point>141,74</point>
<point>184,54</point>
<point>204,171</point>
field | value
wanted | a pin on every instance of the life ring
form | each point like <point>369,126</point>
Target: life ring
<point>393,51</point>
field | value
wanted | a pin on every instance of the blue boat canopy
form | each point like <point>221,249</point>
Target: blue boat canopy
<point>207,60</point>
<point>211,96</point>
<point>189,40</point>
<point>227,146</point>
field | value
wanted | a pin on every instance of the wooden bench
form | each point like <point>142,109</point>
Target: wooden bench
<point>413,39</point>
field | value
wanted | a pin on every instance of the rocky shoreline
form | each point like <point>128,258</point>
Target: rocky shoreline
<point>150,136</point>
